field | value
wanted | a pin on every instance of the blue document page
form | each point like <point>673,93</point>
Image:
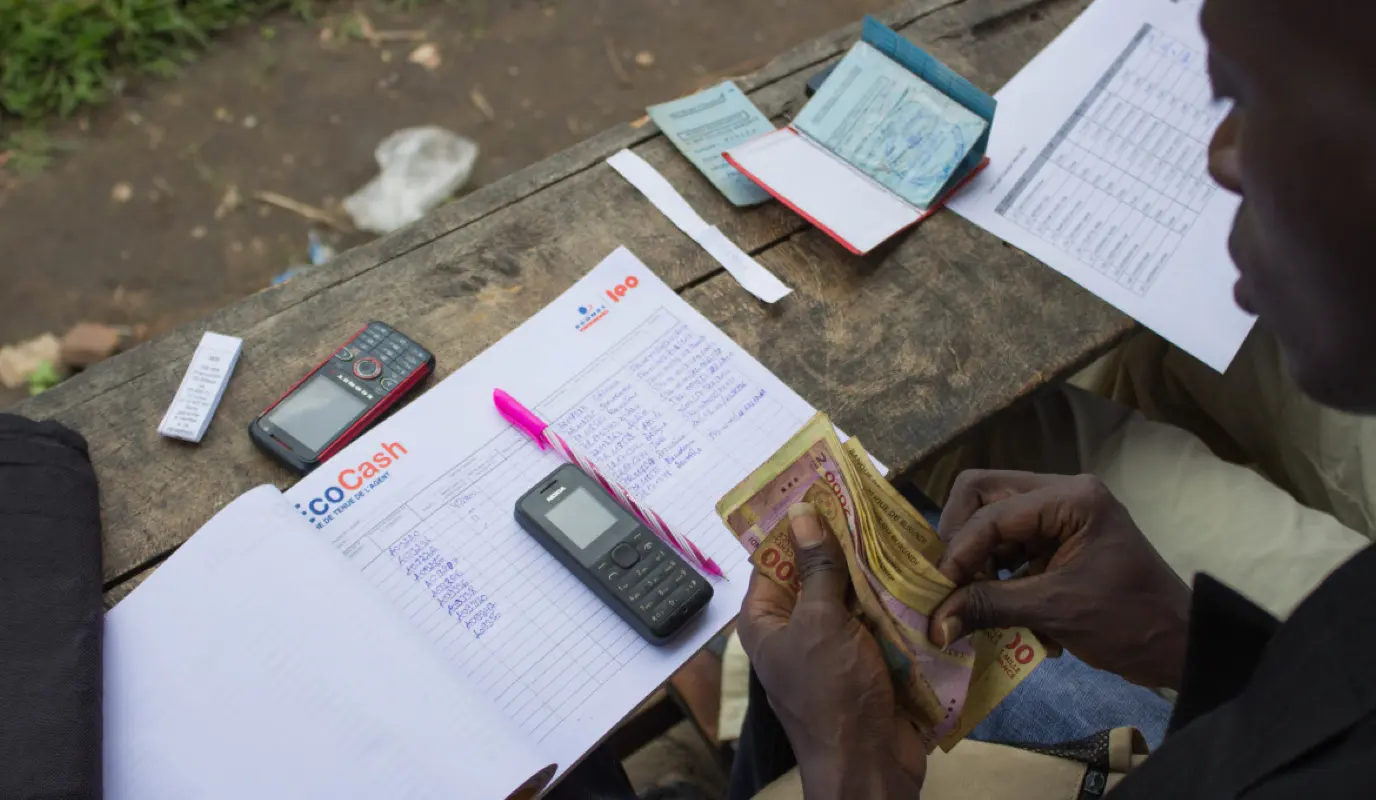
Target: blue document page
<point>893,126</point>
<point>704,125</point>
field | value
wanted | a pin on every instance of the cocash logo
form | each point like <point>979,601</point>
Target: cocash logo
<point>351,485</point>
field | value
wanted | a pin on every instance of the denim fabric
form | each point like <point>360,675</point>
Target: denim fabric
<point>1065,699</point>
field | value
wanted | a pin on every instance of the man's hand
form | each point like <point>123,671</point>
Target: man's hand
<point>1092,581</point>
<point>826,678</point>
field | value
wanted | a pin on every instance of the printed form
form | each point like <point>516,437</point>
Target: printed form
<point>651,391</point>
<point>1099,169</point>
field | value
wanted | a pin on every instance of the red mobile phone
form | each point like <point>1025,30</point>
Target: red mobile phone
<point>341,397</point>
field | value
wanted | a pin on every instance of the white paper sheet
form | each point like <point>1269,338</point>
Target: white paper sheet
<point>254,663</point>
<point>747,271</point>
<point>201,388</point>
<point>1098,169</point>
<point>651,391</point>
<point>831,194</point>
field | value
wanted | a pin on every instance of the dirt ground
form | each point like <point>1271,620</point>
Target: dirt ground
<point>134,222</point>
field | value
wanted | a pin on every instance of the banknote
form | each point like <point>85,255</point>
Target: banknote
<point>890,551</point>
<point>1003,657</point>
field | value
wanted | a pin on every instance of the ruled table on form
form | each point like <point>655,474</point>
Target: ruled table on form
<point>664,408</point>
<point>1124,179</point>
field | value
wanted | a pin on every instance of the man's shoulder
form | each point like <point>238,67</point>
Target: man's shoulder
<point>1261,697</point>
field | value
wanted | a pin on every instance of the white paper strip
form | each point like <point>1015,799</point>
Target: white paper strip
<point>752,277</point>
<point>201,388</point>
<point>747,271</point>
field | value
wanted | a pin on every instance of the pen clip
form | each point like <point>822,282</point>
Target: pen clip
<point>522,418</point>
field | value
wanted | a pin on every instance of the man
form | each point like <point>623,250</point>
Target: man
<point>1265,709</point>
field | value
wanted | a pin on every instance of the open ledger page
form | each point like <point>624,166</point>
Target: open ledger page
<point>1099,169</point>
<point>254,663</point>
<point>652,392</point>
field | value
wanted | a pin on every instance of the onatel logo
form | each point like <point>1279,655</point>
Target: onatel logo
<point>588,315</point>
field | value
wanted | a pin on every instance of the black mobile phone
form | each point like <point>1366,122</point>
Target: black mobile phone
<point>641,578</point>
<point>341,397</point>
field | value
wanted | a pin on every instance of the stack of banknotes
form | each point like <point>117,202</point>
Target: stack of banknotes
<point>891,552</point>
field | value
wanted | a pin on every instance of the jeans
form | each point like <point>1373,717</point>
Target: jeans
<point>1063,700</point>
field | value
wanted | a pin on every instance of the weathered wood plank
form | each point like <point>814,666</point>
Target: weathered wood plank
<point>473,207</point>
<point>909,351</point>
<point>464,277</point>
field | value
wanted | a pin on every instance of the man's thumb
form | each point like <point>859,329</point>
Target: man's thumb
<point>820,560</point>
<point>1019,602</point>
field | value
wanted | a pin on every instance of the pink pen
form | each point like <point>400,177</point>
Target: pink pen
<point>537,429</point>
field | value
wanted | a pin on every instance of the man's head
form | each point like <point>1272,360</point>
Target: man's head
<point>1301,150</point>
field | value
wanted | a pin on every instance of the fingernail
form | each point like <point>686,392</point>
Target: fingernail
<point>950,629</point>
<point>809,535</point>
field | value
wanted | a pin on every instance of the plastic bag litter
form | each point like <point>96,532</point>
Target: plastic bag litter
<point>320,253</point>
<point>421,167</point>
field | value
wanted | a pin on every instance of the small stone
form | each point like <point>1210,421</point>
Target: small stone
<point>199,232</point>
<point>223,115</point>
<point>645,59</point>
<point>427,55</point>
<point>121,192</point>
<point>513,71</point>
<point>386,56</point>
<point>250,122</point>
<point>90,343</point>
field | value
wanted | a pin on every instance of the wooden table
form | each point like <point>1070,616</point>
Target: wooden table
<point>906,348</point>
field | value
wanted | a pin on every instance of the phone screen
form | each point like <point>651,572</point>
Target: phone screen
<point>317,412</point>
<point>581,518</point>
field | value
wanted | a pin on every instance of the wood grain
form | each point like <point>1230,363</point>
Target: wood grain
<point>907,348</point>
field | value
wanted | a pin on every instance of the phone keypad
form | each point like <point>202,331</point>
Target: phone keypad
<point>658,586</point>
<point>397,356</point>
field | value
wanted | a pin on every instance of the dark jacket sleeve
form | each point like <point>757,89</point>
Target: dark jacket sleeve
<point>50,613</point>
<point>1228,635</point>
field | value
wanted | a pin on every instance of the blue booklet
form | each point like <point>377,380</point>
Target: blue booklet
<point>705,125</point>
<point>890,134</point>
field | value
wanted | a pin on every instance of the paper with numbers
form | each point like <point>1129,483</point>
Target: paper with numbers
<point>202,387</point>
<point>419,513</point>
<point>1100,170</point>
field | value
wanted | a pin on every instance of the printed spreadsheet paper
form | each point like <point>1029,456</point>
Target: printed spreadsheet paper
<point>1099,169</point>
<point>646,387</point>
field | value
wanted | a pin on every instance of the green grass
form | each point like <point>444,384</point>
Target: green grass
<point>59,55</point>
<point>30,149</point>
